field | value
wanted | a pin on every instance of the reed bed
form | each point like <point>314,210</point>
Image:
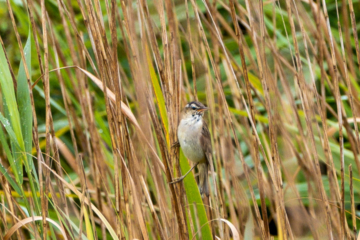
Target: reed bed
<point>92,93</point>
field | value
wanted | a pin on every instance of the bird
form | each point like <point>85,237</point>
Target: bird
<point>195,141</point>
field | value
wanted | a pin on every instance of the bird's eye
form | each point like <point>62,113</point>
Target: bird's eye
<point>193,108</point>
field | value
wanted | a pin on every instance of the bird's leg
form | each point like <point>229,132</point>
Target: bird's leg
<point>182,177</point>
<point>176,145</point>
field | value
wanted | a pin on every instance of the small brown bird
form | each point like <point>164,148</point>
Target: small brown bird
<point>195,142</point>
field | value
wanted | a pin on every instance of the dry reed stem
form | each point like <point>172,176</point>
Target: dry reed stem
<point>130,164</point>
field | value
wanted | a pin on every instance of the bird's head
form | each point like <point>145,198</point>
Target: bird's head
<point>193,109</point>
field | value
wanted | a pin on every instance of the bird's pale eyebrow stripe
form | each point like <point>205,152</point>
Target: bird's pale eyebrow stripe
<point>194,105</point>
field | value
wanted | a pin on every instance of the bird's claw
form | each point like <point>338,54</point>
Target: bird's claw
<point>176,144</point>
<point>176,180</point>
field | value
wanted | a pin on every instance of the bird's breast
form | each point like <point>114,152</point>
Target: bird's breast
<point>189,132</point>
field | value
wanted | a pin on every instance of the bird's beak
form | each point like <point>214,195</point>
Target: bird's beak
<point>202,109</point>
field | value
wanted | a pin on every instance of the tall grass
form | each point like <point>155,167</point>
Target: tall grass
<point>92,93</point>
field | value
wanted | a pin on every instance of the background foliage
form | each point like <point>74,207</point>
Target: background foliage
<point>91,98</point>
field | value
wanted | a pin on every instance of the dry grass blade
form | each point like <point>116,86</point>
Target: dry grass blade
<point>125,109</point>
<point>25,221</point>
<point>86,200</point>
<point>279,79</point>
<point>234,231</point>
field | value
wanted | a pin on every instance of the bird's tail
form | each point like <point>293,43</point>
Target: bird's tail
<point>203,179</point>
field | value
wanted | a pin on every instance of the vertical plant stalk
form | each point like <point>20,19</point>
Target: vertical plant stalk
<point>308,117</point>
<point>191,47</point>
<point>344,227</point>
<point>43,192</point>
<point>8,196</point>
<point>251,107</point>
<point>119,115</point>
<point>352,201</point>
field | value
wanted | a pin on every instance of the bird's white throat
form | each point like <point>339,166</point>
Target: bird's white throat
<point>193,121</point>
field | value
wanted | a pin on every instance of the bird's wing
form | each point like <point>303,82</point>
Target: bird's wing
<point>205,141</point>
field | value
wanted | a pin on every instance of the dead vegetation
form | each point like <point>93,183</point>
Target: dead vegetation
<point>91,97</point>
